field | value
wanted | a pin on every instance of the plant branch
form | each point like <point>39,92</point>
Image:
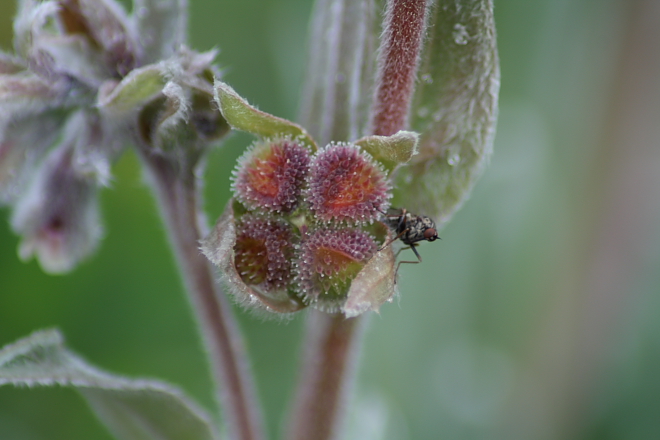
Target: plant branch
<point>401,44</point>
<point>176,189</point>
<point>329,363</point>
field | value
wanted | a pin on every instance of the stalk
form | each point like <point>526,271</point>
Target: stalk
<point>330,349</point>
<point>401,44</point>
<point>176,189</point>
<point>330,362</point>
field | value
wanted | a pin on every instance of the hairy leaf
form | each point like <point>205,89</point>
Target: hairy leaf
<point>454,109</point>
<point>23,144</point>
<point>133,409</point>
<point>24,93</point>
<point>136,89</point>
<point>107,26</point>
<point>72,55</point>
<point>393,150</point>
<point>242,116</point>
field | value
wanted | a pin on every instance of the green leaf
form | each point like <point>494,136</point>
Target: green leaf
<point>242,116</point>
<point>135,90</point>
<point>133,409</point>
<point>454,109</point>
<point>393,150</point>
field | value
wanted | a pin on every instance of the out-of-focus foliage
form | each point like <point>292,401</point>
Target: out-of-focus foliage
<point>135,409</point>
<point>454,109</point>
<point>534,317</point>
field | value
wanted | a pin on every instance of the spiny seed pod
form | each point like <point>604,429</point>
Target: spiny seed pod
<point>270,175</point>
<point>327,262</point>
<point>346,184</point>
<point>264,250</point>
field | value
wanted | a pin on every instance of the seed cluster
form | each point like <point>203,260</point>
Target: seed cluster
<point>329,258</point>
<point>263,252</point>
<point>271,174</point>
<point>345,184</point>
<point>304,232</point>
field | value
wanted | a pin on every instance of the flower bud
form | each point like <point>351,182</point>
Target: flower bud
<point>163,26</point>
<point>270,175</point>
<point>23,94</point>
<point>10,64</point>
<point>58,217</point>
<point>81,65</point>
<point>104,24</point>
<point>176,110</point>
<point>346,184</point>
<point>23,144</point>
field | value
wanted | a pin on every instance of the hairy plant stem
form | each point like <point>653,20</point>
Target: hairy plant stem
<point>176,189</point>
<point>329,363</point>
<point>401,44</point>
<point>330,348</point>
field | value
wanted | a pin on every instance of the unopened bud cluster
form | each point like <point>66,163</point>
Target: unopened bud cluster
<point>86,80</point>
<point>305,226</point>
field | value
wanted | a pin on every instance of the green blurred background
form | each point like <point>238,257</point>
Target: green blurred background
<point>536,317</point>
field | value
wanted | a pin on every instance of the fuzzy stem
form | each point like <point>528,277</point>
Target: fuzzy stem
<point>401,44</point>
<point>330,348</point>
<point>328,366</point>
<point>176,190</point>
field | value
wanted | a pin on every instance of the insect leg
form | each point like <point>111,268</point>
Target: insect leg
<point>419,259</point>
<point>389,242</point>
<point>396,272</point>
<point>413,246</point>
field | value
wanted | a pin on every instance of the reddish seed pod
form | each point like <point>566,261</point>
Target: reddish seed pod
<point>346,184</point>
<point>270,175</point>
<point>263,252</point>
<point>328,261</point>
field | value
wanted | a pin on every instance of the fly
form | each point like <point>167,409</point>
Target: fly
<point>410,229</point>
